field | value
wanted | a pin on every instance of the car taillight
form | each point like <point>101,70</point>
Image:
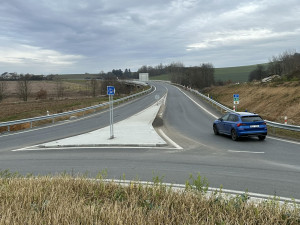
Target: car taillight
<point>240,124</point>
<point>264,123</point>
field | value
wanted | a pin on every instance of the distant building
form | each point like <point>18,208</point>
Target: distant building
<point>144,77</point>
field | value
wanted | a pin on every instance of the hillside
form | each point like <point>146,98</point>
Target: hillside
<point>235,74</point>
<point>273,101</point>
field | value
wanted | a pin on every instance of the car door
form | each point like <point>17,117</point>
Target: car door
<point>229,123</point>
<point>221,125</point>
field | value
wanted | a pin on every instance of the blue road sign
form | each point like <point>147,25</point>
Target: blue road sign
<point>236,99</point>
<point>110,90</point>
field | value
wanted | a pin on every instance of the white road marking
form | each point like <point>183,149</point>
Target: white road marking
<point>213,115</point>
<point>169,139</point>
<point>36,148</point>
<point>284,140</point>
<point>277,139</point>
<point>256,197</point>
<point>234,151</point>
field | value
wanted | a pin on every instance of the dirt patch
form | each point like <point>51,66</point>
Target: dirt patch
<point>272,101</point>
<point>158,122</point>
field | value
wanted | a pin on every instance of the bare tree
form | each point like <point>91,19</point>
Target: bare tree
<point>24,87</point>
<point>3,90</point>
<point>94,87</point>
<point>60,88</point>
<point>285,63</point>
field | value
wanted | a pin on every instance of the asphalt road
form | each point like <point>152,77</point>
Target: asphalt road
<point>266,167</point>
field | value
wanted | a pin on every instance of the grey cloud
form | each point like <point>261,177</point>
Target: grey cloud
<point>111,34</point>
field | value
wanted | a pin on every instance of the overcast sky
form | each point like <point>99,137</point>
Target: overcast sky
<point>78,36</point>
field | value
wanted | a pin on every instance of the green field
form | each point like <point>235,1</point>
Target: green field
<point>235,74</point>
<point>161,77</point>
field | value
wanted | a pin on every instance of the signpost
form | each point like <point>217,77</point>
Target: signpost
<point>236,101</point>
<point>110,93</point>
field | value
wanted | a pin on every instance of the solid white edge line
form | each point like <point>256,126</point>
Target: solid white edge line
<point>88,147</point>
<point>277,139</point>
<point>254,196</point>
<point>284,140</point>
<point>169,139</point>
<point>213,115</point>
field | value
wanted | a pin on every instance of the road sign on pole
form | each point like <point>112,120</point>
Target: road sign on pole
<point>236,99</point>
<point>111,92</point>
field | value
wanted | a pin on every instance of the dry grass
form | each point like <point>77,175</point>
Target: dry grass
<point>21,110</point>
<point>66,200</point>
<point>272,101</point>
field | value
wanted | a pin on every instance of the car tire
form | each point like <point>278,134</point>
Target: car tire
<point>215,129</point>
<point>234,136</point>
<point>261,137</point>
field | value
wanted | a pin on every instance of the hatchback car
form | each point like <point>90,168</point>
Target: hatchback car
<point>241,124</point>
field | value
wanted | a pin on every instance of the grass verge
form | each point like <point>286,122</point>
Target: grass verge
<point>67,200</point>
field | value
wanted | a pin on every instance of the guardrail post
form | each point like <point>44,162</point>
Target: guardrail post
<point>52,120</point>
<point>31,124</point>
<point>8,128</point>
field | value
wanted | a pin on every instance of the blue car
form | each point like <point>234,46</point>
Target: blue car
<point>241,124</point>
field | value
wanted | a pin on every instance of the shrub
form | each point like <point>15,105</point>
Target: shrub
<point>41,94</point>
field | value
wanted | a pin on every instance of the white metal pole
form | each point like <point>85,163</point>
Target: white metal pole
<point>112,116</point>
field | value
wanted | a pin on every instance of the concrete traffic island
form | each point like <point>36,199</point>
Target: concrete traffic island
<point>137,130</point>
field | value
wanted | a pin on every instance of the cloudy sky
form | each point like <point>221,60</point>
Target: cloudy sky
<point>78,36</point>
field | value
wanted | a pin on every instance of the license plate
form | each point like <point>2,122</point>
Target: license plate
<point>254,126</point>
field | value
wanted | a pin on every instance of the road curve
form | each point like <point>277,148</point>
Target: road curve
<point>266,167</point>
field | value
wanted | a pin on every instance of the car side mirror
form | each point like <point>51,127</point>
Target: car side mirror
<point>220,119</point>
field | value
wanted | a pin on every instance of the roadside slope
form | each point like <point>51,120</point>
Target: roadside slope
<point>272,101</point>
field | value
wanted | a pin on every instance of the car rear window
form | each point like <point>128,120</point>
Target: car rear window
<point>251,118</point>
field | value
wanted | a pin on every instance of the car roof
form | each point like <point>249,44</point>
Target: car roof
<point>245,114</point>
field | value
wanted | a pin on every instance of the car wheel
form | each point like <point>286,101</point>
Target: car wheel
<point>261,137</point>
<point>215,129</point>
<point>234,135</point>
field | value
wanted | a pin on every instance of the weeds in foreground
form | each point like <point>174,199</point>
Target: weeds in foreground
<point>68,200</point>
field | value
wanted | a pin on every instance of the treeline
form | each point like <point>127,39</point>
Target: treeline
<point>196,77</point>
<point>114,74</point>
<point>286,64</point>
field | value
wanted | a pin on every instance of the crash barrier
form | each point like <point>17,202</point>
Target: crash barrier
<point>222,107</point>
<point>54,116</point>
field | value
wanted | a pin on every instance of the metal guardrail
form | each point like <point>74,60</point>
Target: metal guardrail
<point>53,116</point>
<point>269,123</point>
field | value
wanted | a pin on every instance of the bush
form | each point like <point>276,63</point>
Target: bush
<point>41,94</point>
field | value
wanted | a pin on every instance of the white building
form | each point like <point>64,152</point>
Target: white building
<point>144,77</point>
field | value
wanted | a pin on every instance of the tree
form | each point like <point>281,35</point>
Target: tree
<point>284,64</point>
<point>207,73</point>
<point>94,87</point>
<point>3,90</point>
<point>24,87</point>
<point>60,88</point>
<point>258,73</point>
